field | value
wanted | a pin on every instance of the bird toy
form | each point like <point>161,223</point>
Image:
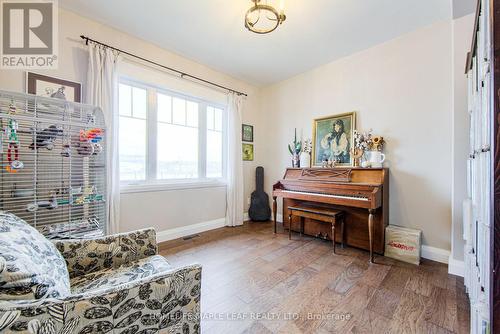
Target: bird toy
<point>11,133</point>
<point>91,135</point>
<point>89,142</point>
<point>12,108</point>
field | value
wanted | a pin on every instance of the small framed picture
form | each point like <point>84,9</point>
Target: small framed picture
<point>247,132</point>
<point>43,85</point>
<point>247,152</point>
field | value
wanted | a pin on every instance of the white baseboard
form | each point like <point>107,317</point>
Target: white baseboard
<point>435,254</point>
<point>456,267</point>
<point>184,231</point>
<point>180,232</point>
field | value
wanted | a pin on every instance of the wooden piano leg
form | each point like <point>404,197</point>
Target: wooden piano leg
<point>370,232</point>
<point>275,209</point>
<point>342,230</point>
<point>301,225</point>
<point>289,225</point>
<point>333,235</point>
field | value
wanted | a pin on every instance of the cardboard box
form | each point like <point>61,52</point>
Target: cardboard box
<point>403,244</point>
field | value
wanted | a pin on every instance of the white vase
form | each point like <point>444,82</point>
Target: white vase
<point>374,159</point>
<point>305,160</point>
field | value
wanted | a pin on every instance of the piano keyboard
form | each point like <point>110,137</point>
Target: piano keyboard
<point>360,198</point>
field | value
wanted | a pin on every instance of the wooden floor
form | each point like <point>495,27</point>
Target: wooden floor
<point>255,282</point>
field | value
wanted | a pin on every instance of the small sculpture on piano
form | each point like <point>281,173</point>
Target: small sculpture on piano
<point>329,163</point>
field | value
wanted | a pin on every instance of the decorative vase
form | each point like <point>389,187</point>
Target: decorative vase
<point>305,160</point>
<point>374,159</point>
<point>295,161</point>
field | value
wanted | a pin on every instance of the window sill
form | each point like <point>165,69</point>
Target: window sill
<point>173,185</point>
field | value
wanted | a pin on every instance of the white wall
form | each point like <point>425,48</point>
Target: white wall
<point>403,90</point>
<point>167,209</point>
<point>462,39</point>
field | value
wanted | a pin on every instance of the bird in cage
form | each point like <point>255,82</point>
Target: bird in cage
<point>46,138</point>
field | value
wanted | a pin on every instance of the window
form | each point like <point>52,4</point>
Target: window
<point>132,141</point>
<point>178,147</point>
<point>214,142</point>
<point>165,136</point>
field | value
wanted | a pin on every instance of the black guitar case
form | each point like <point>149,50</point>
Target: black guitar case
<point>259,205</point>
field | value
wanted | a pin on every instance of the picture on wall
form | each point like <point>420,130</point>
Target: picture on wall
<point>247,132</point>
<point>43,85</point>
<point>333,137</point>
<point>247,152</point>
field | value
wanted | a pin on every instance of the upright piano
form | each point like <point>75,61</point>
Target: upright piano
<point>362,193</point>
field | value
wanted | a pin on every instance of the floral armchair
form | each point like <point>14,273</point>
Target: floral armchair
<point>115,284</point>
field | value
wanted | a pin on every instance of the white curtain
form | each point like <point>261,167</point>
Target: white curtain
<point>102,92</point>
<point>234,201</point>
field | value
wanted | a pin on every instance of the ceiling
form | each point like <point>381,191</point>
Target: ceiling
<point>211,32</point>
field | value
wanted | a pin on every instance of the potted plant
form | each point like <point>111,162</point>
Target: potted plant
<point>295,148</point>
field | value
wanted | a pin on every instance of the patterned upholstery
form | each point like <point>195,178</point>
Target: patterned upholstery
<point>30,265</point>
<point>85,256</point>
<point>109,277</point>
<point>118,285</point>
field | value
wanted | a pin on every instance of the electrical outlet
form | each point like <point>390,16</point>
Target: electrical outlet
<point>248,200</point>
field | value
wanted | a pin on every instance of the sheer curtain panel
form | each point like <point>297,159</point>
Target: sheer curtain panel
<point>234,205</point>
<point>102,92</point>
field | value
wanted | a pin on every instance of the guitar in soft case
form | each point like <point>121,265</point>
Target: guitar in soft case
<point>259,205</point>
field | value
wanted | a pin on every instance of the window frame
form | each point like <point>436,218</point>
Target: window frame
<point>151,183</point>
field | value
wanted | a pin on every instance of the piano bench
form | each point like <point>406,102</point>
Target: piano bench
<point>317,213</point>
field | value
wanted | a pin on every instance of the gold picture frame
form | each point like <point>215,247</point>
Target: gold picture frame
<point>329,144</point>
<point>247,152</point>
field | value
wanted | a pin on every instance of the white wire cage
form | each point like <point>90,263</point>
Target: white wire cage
<point>53,165</point>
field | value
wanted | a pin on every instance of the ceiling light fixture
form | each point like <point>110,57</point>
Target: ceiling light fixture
<point>264,18</point>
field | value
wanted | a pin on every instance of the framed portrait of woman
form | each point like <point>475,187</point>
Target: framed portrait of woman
<point>333,137</point>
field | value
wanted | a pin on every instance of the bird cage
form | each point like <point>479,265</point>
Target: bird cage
<point>53,165</point>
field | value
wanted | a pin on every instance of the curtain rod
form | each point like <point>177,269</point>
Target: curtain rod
<point>182,74</point>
